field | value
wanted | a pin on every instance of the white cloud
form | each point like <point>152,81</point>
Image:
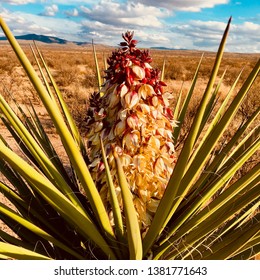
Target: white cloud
<point>104,22</point>
<point>100,32</point>
<point>34,29</point>
<point>72,13</point>
<point>245,37</point>
<point>64,2</point>
<point>24,23</point>
<point>18,2</point>
<point>200,30</point>
<point>126,14</point>
<point>156,39</point>
<point>206,35</point>
<point>111,35</point>
<point>144,21</point>
<point>187,5</point>
<point>250,27</point>
<point>50,11</point>
<point>73,2</point>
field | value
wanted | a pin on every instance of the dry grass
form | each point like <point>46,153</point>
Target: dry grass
<point>74,71</point>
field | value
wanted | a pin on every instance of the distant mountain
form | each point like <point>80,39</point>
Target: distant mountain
<point>44,39</point>
<point>167,49</point>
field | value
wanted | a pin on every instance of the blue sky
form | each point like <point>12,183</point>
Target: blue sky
<point>189,24</point>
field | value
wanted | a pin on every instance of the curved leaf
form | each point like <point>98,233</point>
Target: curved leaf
<point>15,252</point>
<point>132,226</point>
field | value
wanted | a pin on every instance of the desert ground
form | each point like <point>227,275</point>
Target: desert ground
<point>74,71</point>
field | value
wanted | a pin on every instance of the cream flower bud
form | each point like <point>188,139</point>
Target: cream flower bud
<point>120,128</point>
<point>126,160</point>
<point>147,65</point>
<point>100,114</point>
<point>161,131</point>
<point>159,167</point>
<point>154,143</point>
<point>98,126</point>
<point>132,121</point>
<point>138,72</point>
<point>152,205</point>
<point>145,108</point>
<point>139,162</point>
<point>123,91</point>
<point>118,150</point>
<point>169,133</point>
<point>154,113</point>
<point>131,99</point>
<point>169,169</point>
<point>144,194</point>
<point>122,114</point>
<point>146,90</point>
<point>131,141</point>
<point>155,101</point>
<point>166,98</point>
<point>128,62</point>
<point>170,146</point>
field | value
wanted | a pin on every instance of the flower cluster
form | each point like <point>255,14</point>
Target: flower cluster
<point>133,117</point>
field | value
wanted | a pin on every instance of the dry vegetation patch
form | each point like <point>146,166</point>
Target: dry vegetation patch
<point>73,68</point>
<point>74,71</point>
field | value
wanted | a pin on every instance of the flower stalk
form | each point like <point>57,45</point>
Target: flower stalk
<point>134,117</point>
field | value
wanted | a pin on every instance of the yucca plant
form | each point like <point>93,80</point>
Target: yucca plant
<point>125,193</point>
